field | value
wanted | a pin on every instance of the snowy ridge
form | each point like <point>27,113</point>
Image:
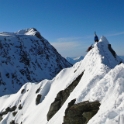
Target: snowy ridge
<point>26,57</point>
<point>107,57</point>
<point>110,91</point>
<point>102,80</point>
<point>29,31</point>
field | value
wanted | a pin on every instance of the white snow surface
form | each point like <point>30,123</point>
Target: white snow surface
<point>28,31</point>
<point>103,80</point>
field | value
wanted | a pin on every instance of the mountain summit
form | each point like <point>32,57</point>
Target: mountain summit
<point>90,92</point>
<point>25,56</point>
<point>30,31</point>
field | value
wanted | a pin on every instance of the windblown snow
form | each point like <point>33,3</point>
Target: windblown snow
<point>103,80</point>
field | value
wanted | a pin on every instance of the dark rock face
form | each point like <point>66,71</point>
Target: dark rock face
<point>12,122</point>
<point>62,96</point>
<point>38,35</point>
<point>89,48</point>
<point>80,113</point>
<point>38,99</point>
<point>8,109</point>
<point>111,50</point>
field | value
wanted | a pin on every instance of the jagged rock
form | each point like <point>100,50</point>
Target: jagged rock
<point>23,90</point>
<point>12,122</point>
<point>70,104</point>
<point>62,96</point>
<point>20,107</point>
<point>111,50</point>
<point>1,117</point>
<point>38,35</point>
<point>89,48</point>
<point>38,90</point>
<point>14,113</point>
<point>38,99</point>
<point>8,109</point>
<point>80,113</point>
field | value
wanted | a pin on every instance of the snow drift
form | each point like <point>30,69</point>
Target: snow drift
<point>102,80</point>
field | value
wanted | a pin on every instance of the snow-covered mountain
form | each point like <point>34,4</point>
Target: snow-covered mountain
<point>90,92</point>
<point>25,56</point>
<point>73,60</point>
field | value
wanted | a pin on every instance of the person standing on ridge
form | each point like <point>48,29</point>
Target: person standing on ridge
<point>96,37</point>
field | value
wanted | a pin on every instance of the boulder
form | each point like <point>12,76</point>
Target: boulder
<point>61,97</point>
<point>80,113</point>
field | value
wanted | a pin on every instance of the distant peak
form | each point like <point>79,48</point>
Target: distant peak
<point>26,31</point>
<point>30,31</point>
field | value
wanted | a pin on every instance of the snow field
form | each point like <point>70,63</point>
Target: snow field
<point>103,80</point>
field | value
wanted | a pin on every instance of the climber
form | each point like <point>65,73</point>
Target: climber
<point>96,37</point>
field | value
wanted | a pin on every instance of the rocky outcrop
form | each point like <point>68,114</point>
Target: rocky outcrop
<point>8,109</point>
<point>38,99</point>
<point>80,113</point>
<point>62,96</point>
<point>111,50</point>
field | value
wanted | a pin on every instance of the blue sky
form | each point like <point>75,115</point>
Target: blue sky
<point>68,25</point>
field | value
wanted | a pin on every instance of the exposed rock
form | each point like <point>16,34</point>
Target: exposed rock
<point>38,90</point>
<point>38,99</point>
<point>8,109</point>
<point>23,90</point>
<point>70,104</point>
<point>1,117</point>
<point>62,96</point>
<point>89,48</point>
<point>111,50</point>
<point>38,35</point>
<point>20,107</point>
<point>80,113</point>
<point>14,113</point>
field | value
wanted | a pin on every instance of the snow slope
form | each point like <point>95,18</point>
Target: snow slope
<point>25,56</point>
<point>102,80</point>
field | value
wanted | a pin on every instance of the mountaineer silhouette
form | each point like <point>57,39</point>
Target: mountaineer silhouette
<point>96,39</point>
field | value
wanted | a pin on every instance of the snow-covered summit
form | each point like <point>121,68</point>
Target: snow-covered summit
<point>28,31</point>
<point>101,79</point>
<point>26,57</point>
<point>102,48</point>
<point>107,54</point>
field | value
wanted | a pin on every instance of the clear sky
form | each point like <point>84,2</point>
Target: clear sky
<point>68,25</point>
